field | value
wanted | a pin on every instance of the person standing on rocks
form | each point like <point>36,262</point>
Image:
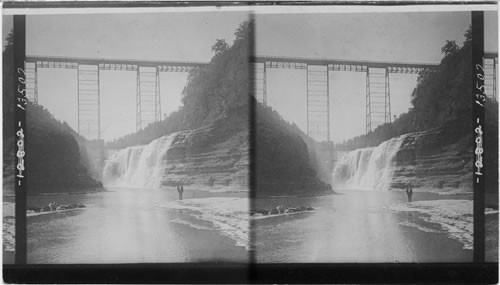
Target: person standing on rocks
<point>409,192</point>
<point>180,190</point>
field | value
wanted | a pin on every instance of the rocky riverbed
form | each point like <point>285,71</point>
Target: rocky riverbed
<point>52,207</point>
<point>281,209</point>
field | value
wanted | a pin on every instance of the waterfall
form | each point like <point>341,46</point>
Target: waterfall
<point>368,168</point>
<point>138,166</point>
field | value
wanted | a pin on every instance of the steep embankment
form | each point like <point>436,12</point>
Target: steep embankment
<point>282,162</point>
<point>205,142</point>
<point>216,155</point>
<point>55,160</point>
<point>211,157</point>
<point>437,160</point>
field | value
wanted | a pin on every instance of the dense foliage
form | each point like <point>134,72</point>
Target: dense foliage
<point>55,154</point>
<point>55,158</point>
<point>8,116</point>
<point>441,95</point>
<point>8,79</point>
<point>210,92</point>
<point>491,146</point>
<point>283,161</point>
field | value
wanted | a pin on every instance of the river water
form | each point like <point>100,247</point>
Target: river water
<point>132,225</point>
<point>357,226</point>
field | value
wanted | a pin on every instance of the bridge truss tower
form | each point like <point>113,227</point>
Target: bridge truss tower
<point>89,102</point>
<point>490,64</point>
<point>318,102</point>
<point>378,92</point>
<point>317,92</point>
<point>88,84</point>
<point>148,103</point>
<point>378,98</point>
<point>258,80</point>
<point>30,69</point>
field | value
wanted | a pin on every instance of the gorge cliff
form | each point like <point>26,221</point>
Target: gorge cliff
<point>436,160</point>
<point>213,157</point>
<point>284,165</point>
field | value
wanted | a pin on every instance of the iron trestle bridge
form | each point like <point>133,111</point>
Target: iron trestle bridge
<point>148,100</point>
<point>378,95</point>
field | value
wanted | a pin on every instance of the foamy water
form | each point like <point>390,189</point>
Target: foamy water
<point>454,217</point>
<point>368,168</point>
<point>34,214</point>
<point>131,226</point>
<point>228,215</point>
<point>138,166</point>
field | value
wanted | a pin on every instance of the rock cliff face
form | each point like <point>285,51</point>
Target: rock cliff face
<point>211,157</point>
<point>214,156</point>
<point>436,160</point>
<point>283,163</point>
<point>57,161</point>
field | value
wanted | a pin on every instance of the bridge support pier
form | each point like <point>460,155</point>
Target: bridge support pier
<point>89,101</point>
<point>30,69</point>
<point>259,82</point>
<point>148,97</point>
<point>378,98</point>
<point>318,102</point>
<point>490,77</point>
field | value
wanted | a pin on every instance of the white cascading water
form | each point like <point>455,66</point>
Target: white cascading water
<point>138,166</point>
<point>368,168</point>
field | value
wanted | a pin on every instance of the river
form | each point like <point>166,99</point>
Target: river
<point>132,225</point>
<point>361,226</point>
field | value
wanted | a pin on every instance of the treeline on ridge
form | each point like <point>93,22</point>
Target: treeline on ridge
<point>442,95</point>
<point>210,92</point>
<point>57,159</point>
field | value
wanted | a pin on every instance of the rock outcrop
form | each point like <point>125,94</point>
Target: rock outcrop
<point>281,209</point>
<point>214,156</point>
<point>437,160</point>
<point>53,207</point>
<point>283,164</point>
<point>56,161</point>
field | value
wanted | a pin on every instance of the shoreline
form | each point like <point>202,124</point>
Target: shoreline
<point>298,196</point>
<point>207,243</point>
<point>97,190</point>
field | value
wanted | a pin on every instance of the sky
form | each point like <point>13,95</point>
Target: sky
<point>154,36</point>
<point>396,37</point>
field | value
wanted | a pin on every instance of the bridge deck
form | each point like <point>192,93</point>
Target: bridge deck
<point>95,61</point>
<point>326,61</point>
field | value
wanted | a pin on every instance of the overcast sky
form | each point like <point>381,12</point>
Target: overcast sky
<point>156,36</point>
<point>395,37</point>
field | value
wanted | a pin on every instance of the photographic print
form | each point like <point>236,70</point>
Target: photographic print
<point>197,142</point>
<point>490,64</point>
<point>138,137</point>
<point>364,142</point>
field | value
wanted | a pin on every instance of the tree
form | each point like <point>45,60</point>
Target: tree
<point>441,97</point>
<point>211,92</point>
<point>449,48</point>
<point>220,46</point>
<point>8,93</point>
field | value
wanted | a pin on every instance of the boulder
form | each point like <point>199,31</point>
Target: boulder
<point>34,209</point>
<point>282,209</point>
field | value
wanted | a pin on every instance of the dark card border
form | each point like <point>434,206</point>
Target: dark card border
<point>476,272</point>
